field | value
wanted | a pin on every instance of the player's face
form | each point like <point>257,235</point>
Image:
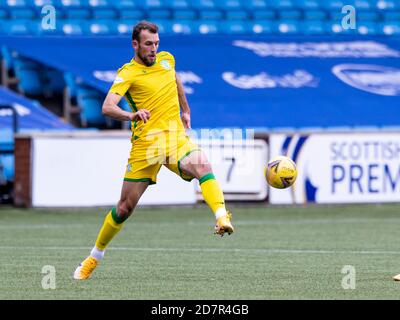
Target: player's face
<point>147,47</point>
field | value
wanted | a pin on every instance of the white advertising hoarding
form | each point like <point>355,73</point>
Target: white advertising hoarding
<point>340,167</point>
<point>238,165</point>
<point>88,171</point>
<point>77,170</point>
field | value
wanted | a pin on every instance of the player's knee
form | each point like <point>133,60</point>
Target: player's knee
<point>202,169</point>
<point>124,209</point>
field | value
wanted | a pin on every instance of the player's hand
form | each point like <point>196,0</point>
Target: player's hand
<point>186,120</point>
<point>142,114</point>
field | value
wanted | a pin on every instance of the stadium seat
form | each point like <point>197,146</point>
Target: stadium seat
<point>361,5</point>
<point>286,27</point>
<point>314,15</point>
<point>127,4</point>
<point>100,4</point>
<point>164,26</point>
<point>207,27</point>
<point>308,4</point>
<point>388,4</point>
<point>74,27</point>
<point>228,4</point>
<point>290,14</point>
<point>158,14</point>
<point>6,167</point>
<point>53,81</point>
<point>22,13</point>
<point>178,4</point>
<point>39,4</point>
<point>8,57</point>
<point>282,4</point>
<point>17,27</point>
<point>367,16</point>
<point>367,28</point>
<point>90,101</point>
<point>12,4</point>
<point>261,27</point>
<point>184,27</point>
<point>391,16</point>
<point>203,4</point>
<point>313,27</point>
<point>154,4</point>
<point>124,27</point>
<point>3,14</point>
<point>30,75</point>
<point>254,5</point>
<point>389,28</point>
<point>235,27</point>
<point>104,13</point>
<point>76,13</point>
<point>101,27</point>
<point>184,14</point>
<point>236,15</point>
<point>264,15</point>
<point>79,4</point>
<point>334,5</point>
<point>335,27</point>
<point>134,14</point>
<point>210,15</point>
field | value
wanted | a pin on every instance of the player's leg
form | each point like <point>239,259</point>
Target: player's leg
<point>113,223</point>
<point>195,164</point>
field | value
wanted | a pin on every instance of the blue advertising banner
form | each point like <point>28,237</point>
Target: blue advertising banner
<point>253,82</point>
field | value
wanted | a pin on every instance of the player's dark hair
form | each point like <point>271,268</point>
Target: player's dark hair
<point>143,25</point>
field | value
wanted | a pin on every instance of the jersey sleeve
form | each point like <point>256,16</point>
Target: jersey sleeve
<point>172,59</point>
<point>122,82</point>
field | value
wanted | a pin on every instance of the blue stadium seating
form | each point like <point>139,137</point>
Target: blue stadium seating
<point>7,167</point>
<point>184,27</point>
<point>207,27</point>
<point>313,27</point>
<point>179,4</point>
<point>184,14</point>
<point>253,5</point>
<point>20,17</point>
<point>235,27</point>
<point>90,102</point>
<point>236,15</point>
<point>29,74</point>
<point>264,15</point>
<point>262,27</point>
<point>308,4</point>
<point>314,15</point>
<point>102,27</point>
<point>134,14</point>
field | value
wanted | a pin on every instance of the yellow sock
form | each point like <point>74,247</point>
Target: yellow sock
<point>109,229</point>
<point>212,193</point>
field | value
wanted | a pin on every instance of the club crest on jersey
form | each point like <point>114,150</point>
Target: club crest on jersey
<point>165,64</point>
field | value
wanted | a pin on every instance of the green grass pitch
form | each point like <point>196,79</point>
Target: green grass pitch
<point>171,253</point>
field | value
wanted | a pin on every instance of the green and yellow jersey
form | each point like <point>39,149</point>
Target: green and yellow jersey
<point>153,88</point>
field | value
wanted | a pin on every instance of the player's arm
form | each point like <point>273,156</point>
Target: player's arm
<point>183,103</point>
<point>111,109</point>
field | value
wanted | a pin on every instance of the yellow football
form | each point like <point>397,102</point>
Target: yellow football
<point>281,172</point>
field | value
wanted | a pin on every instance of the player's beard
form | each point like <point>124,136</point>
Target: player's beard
<point>146,61</point>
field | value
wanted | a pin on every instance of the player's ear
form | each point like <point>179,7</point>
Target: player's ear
<point>135,44</point>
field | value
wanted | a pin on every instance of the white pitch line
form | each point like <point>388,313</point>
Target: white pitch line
<point>217,250</point>
<point>202,223</point>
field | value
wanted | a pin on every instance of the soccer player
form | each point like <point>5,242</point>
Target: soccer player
<point>160,114</point>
